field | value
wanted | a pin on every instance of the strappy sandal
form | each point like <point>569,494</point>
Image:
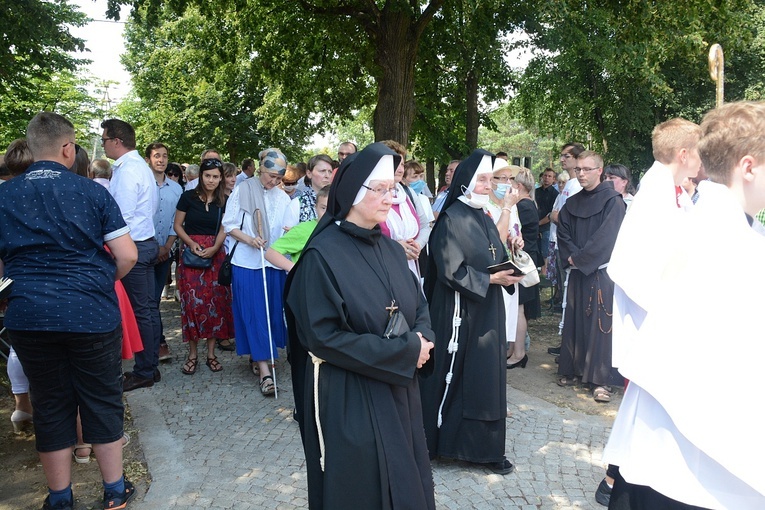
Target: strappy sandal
<point>602,394</point>
<point>82,459</point>
<point>213,364</point>
<point>567,381</point>
<point>190,366</point>
<point>267,386</point>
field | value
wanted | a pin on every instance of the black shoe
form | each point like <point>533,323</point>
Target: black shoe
<point>114,500</point>
<point>157,375</point>
<point>522,362</point>
<point>62,505</point>
<point>603,494</point>
<point>501,468</point>
<point>132,382</point>
<point>553,350</point>
<point>230,346</point>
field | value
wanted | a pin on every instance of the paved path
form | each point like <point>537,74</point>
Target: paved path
<point>211,440</point>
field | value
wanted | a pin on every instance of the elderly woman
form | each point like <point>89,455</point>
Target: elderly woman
<point>303,208</point>
<point>503,211</point>
<point>205,305</point>
<point>358,403</point>
<point>407,223</point>
<point>254,218</point>
<point>529,305</point>
<point>464,402</point>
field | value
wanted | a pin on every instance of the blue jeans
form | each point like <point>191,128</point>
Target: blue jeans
<point>71,371</point>
<point>139,285</point>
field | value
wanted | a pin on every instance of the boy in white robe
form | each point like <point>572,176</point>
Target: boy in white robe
<point>686,436</point>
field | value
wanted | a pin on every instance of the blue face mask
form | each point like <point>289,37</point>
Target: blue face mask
<point>417,186</point>
<point>501,190</point>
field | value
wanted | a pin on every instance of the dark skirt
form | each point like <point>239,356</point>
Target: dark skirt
<point>529,298</point>
<point>205,305</point>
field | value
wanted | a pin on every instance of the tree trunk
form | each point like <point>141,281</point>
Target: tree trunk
<point>471,102</point>
<point>395,56</point>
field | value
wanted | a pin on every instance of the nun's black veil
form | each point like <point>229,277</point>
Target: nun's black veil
<point>353,171</point>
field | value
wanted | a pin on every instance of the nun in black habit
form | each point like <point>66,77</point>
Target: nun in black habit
<point>357,395</point>
<point>465,419</point>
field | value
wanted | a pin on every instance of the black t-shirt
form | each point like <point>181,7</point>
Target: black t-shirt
<point>199,221</point>
<point>545,199</point>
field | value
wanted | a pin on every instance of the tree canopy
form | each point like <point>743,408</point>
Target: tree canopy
<point>35,61</point>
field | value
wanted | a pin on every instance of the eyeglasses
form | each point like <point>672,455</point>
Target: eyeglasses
<point>104,140</point>
<point>565,156</point>
<point>381,192</point>
<point>289,183</point>
<point>207,164</point>
<point>585,169</point>
<point>69,143</point>
<point>503,178</point>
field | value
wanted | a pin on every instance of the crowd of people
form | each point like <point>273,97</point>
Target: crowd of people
<point>401,309</point>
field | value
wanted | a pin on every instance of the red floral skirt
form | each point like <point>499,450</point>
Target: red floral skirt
<point>205,305</point>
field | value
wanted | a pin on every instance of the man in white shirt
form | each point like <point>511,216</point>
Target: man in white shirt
<point>248,170</point>
<point>135,190</point>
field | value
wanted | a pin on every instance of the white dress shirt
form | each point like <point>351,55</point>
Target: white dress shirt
<point>135,190</point>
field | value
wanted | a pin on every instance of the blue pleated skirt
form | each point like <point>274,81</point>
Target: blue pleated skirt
<point>250,311</point>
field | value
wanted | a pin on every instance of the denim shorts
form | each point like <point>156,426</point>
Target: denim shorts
<point>71,371</point>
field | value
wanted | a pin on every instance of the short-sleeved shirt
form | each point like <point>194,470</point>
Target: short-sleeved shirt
<point>293,242</point>
<point>53,226</point>
<point>199,220</point>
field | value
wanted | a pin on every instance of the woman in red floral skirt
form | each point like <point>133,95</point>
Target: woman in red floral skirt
<point>205,305</point>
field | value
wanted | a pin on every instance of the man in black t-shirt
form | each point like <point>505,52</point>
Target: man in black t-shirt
<point>545,197</point>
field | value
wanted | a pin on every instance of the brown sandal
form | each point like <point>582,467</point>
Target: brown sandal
<point>190,366</point>
<point>602,394</point>
<point>213,364</point>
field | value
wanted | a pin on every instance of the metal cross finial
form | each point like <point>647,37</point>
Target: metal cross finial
<point>717,71</point>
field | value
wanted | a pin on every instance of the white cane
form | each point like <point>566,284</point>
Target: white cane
<point>265,295</point>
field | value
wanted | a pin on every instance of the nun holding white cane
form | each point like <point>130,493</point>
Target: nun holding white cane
<point>253,217</point>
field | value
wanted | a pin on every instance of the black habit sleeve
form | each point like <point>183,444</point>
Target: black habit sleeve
<point>324,329</point>
<point>595,250</point>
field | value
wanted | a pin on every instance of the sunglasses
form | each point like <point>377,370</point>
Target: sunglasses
<point>210,163</point>
<point>289,183</point>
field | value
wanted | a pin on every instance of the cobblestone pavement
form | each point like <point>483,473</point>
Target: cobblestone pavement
<point>211,440</point>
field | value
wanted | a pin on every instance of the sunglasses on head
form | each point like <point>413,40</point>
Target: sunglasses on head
<point>211,163</point>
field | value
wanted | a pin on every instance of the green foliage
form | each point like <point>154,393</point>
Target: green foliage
<point>460,71</point>
<point>198,85</point>
<point>36,68</point>
<point>509,135</point>
<point>64,93</point>
<point>606,72</point>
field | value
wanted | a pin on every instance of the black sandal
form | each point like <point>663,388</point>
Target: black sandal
<point>267,386</point>
<point>213,364</point>
<point>190,366</point>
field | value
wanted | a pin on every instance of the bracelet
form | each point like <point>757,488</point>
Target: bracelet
<point>507,209</point>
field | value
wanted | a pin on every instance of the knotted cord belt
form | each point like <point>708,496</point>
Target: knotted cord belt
<point>452,348</point>
<point>317,363</point>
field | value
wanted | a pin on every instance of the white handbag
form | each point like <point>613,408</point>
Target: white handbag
<point>524,262</point>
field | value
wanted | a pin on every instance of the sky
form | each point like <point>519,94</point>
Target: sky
<point>104,39</point>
